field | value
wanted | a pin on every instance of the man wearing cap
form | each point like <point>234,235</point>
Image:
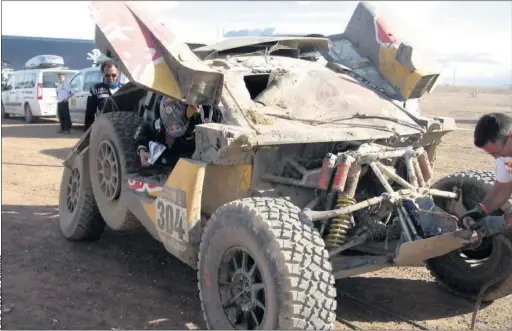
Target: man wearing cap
<point>63,94</point>
<point>493,134</point>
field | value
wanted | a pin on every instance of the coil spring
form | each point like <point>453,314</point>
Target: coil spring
<point>340,224</point>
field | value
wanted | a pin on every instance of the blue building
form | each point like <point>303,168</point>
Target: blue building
<point>17,50</point>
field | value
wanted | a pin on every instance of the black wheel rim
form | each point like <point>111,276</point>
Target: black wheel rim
<point>73,189</point>
<point>107,168</point>
<point>241,290</point>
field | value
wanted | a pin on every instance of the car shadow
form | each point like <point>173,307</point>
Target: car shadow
<point>37,130</point>
<point>21,120</point>
<point>466,121</point>
<point>58,153</point>
<point>413,299</point>
<point>128,280</point>
<point>124,280</point>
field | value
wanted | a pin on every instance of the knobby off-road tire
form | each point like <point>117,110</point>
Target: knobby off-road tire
<point>290,260</point>
<point>79,217</point>
<point>113,134</point>
<point>457,271</point>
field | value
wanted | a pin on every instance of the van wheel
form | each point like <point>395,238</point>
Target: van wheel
<point>29,118</point>
<point>4,114</point>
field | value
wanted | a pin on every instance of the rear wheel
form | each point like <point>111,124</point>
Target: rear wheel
<point>464,272</point>
<point>112,155</point>
<point>261,268</point>
<point>79,217</point>
<point>29,118</point>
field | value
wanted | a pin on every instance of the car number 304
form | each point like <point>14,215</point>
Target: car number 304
<point>171,220</point>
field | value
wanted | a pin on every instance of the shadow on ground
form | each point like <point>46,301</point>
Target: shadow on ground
<point>47,129</point>
<point>125,280</point>
<point>417,300</point>
<point>59,153</point>
<point>466,121</point>
<point>21,120</point>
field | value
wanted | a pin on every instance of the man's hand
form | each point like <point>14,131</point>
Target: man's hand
<point>476,214</point>
<point>144,156</point>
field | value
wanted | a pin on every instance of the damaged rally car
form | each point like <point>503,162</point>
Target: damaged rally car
<point>311,169</point>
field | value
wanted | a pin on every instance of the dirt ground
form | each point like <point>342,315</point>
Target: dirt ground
<point>128,281</point>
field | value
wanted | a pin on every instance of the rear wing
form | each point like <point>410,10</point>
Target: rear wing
<point>381,56</point>
<point>150,55</point>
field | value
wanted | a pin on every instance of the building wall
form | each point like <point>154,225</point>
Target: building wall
<point>18,50</point>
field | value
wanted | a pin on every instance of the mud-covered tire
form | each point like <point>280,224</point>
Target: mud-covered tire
<point>291,260</point>
<point>4,114</point>
<point>80,221</point>
<point>117,129</point>
<point>453,271</point>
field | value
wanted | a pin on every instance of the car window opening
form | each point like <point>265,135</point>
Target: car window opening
<point>256,84</point>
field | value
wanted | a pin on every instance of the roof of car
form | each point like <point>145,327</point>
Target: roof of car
<point>237,42</point>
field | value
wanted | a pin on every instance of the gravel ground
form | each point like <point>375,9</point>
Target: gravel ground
<point>128,281</point>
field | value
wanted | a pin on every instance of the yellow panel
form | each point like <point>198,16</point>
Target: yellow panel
<point>225,184</point>
<point>159,77</point>
<point>188,175</point>
<point>396,73</point>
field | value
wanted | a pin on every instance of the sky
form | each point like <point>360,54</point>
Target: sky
<point>471,40</point>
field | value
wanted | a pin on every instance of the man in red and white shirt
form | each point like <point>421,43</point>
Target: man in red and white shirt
<point>493,134</point>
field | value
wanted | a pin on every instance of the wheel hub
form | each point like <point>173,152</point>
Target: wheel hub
<point>242,293</point>
<point>108,170</point>
<point>73,190</point>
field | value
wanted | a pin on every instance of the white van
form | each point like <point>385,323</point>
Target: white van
<point>32,92</point>
<point>80,86</point>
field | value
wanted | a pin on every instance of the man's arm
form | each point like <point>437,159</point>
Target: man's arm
<point>143,135</point>
<point>497,196</point>
<point>90,110</point>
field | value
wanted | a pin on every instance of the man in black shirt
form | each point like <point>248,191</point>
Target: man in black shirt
<point>100,92</point>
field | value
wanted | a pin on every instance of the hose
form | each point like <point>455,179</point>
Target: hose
<point>492,281</point>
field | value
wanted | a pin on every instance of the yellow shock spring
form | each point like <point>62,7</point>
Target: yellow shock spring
<point>340,224</point>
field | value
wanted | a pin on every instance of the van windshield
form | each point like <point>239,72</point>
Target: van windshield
<point>51,78</point>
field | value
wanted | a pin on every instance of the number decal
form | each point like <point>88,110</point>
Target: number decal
<point>72,101</point>
<point>171,220</point>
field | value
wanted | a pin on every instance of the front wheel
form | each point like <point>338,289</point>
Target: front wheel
<point>261,268</point>
<point>112,155</point>
<point>464,272</point>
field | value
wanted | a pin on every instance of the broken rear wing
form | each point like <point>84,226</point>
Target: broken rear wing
<point>150,55</point>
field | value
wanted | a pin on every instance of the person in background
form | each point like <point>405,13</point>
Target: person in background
<point>100,92</point>
<point>63,94</point>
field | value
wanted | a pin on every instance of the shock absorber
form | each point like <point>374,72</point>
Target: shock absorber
<point>344,186</point>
